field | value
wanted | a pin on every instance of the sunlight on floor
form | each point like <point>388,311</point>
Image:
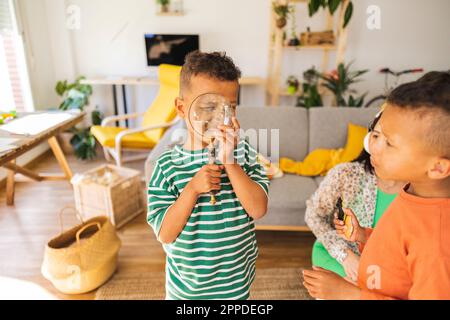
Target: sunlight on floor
<point>14,289</point>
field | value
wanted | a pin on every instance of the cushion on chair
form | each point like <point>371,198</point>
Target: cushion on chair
<point>163,109</point>
<point>106,137</point>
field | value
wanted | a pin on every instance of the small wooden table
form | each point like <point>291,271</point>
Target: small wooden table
<point>23,143</point>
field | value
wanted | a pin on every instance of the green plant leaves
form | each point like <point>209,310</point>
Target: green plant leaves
<point>60,87</point>
<point>333,5</point>
<point>96,117</point>
<point>76,95</point>
<point>281,10</point>
<point>348,14</point>
<point>310,96</point>
<point>356,102</point>
<point>339,83</point>
<point>83,144</point>
<point>163,2</point>
<point>313,6</point>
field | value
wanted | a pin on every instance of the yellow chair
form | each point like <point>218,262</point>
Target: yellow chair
<point>158,117</point>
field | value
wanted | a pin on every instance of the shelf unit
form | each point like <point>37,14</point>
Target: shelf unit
<point>277,49</point>
<point>170,14</point>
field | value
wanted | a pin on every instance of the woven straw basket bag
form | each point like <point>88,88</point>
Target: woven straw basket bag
<point>81,259</point>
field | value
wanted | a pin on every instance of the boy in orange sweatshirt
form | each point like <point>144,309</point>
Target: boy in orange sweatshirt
<point>408,254</point>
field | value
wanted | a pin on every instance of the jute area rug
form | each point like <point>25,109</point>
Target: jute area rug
<point>269,284</point>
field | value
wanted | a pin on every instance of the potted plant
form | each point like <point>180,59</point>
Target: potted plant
<point>75,96</point>
<point>310,96</point>
<point>339,82</point>
<point>332,5</point>
<point>294,40</point>
<point>282,11</point>
<point>293,84</point>
<point>164,5</point>
<point>82,141</point>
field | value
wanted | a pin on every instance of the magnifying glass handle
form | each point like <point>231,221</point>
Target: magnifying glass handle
<point>212,160</point>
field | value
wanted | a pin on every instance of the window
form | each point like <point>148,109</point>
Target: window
<point>15,93</point>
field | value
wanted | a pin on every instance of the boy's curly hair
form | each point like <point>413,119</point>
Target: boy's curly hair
<point>216,65</point>
<point>431,90</point>
<point>428,96</point>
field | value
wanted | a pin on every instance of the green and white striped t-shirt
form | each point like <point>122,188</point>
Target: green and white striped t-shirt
<point>214,256</point>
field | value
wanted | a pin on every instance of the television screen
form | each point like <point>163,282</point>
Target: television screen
<point>169,48</point>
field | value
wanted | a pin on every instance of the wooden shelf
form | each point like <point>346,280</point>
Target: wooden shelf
<point>308,47</point>
<point>170,14</point>
<point>285,93</point>
<point>278,48</point>
<point>319,46</point>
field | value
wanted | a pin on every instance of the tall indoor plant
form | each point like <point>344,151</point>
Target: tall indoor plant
<point>75,96</point>
<point>340,82</point>
<point>310,96</point>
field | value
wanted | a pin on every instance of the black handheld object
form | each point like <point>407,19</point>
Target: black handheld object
<point>341,214</point>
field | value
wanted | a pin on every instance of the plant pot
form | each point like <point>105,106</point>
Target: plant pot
<point>64,142</point>
<point>164,8</point>
<point>294,42</point>
<point>281,22</point>
<point>292,90</point>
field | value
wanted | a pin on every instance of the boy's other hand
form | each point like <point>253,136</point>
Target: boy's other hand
<point>228,138</point>
<point>351,265</point>
<point>206,179</point>
<point>358,234</point>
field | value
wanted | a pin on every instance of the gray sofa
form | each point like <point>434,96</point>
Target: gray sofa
<point>300,131</point>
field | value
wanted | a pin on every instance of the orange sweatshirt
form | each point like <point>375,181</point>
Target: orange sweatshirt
<point>408,253</point>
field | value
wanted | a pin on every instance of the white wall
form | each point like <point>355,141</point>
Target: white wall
<point>414,33</point>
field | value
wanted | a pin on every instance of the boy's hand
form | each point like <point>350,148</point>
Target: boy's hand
<point>206,179</point>
<point>228,139</point>
<point>358,234</point>
<point>324,284</point>
<point>351,265</point>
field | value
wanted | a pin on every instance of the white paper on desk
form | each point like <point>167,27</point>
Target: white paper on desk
<point>7,147</point>
<point>35,123</point>
<point>6,144</point>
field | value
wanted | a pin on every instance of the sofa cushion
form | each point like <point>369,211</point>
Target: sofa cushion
<point>287,200</point>
<point>291,122</point>
<point>328,125</point>
<point>319,180</point>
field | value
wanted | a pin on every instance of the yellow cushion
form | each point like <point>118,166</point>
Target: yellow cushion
<point>355,142</point>
<point>163,109</point>
<point>317,162</point>
<point>320,161</point>
<point>106,137</point>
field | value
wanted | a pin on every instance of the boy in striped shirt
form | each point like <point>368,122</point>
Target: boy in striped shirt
<point>211,248</point>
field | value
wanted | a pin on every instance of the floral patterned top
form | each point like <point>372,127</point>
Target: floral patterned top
<point>358,190</point>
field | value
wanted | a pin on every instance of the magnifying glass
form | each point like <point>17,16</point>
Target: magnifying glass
<point>207,112</point>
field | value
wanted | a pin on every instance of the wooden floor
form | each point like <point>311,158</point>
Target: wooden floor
<point>26,227</point>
